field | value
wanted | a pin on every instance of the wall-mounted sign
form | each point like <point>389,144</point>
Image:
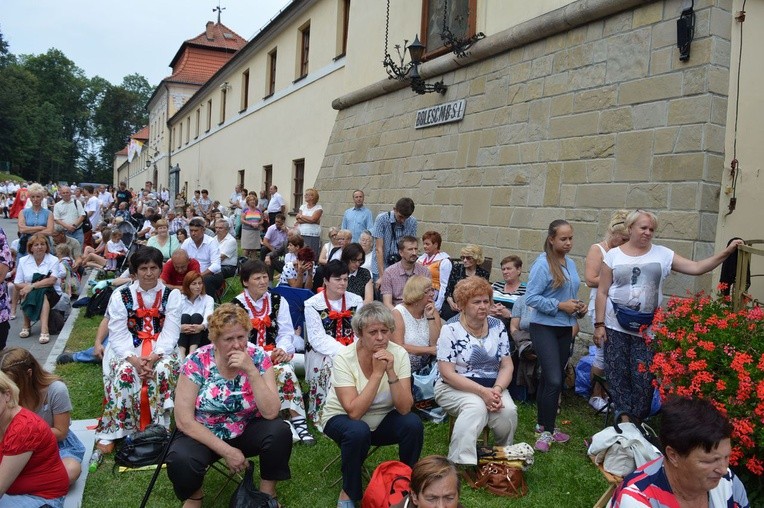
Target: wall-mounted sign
<point>442,113</point>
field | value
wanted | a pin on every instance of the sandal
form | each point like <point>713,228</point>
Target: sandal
<point>24,333</point>
<point>44,338</point>
<point>13,316</point>
<point>301,430</point>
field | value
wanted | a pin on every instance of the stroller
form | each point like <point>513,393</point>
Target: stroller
<point>128,238</point>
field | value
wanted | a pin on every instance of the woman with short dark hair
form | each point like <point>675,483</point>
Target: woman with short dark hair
<point>359,281</point>
<point>144,325</point>
<point>694,470</point>
<point>272,330</point>
<point>328,318</point>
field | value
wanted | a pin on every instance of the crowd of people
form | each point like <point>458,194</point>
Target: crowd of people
<point>376,311</point>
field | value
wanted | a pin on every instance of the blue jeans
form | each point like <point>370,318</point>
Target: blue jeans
<point>88,355</point>
<point>77,235</point>
<point>354,438</point>
<point>27,501</point>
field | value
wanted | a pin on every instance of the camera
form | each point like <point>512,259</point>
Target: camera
<point>392,259</point>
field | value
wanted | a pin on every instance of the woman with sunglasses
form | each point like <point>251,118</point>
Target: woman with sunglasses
<point>629,290</point>
<point>472,258</point>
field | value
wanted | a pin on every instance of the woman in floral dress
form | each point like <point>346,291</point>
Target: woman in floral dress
<point>327,321</point>
<point>227,406</point>
<point>273,331</point>
<point>140,366</point>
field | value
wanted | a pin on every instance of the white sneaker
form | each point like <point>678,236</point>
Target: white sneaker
<point>598,403</point>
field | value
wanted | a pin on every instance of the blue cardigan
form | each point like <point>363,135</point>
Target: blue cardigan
<point>543,298</point>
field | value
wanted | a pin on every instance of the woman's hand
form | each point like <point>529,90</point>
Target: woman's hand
<point>279,356</point>
<point>24,291</point>
<point>599,336</point>
<point>732,247</point>
<point>492,399</point>
<point>452,304</point>
<point>241,360</point>
<point>382,361</point>
<point>430,310</point>
<point>569,306</point>
<point>235,460</point>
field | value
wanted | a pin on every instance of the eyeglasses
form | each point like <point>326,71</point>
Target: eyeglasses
<point>467,258</point>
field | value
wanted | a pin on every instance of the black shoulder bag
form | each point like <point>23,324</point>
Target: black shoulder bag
<point>247,495</point>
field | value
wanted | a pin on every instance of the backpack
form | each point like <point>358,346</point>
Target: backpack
<point>98,302</point>
<point>389,485</point>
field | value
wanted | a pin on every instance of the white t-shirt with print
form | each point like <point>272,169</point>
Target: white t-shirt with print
<point>637,281</point>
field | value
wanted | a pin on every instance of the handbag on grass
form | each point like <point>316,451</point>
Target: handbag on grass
<point>143,448</point>
<point>247,495</point>
<point>501,479</point>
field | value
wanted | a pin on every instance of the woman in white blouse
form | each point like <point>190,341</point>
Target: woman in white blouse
<point>197,307</point>
<point>417,322</point>
<point>328,318</point>
<point>309,221</point>
<point>37,281</point>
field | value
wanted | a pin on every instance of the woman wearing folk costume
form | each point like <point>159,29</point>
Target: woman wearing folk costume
<point>327,322</point>
<point>140,366</point>
<point>272,330</point>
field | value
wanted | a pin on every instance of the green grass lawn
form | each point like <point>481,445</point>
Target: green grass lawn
<point>563,477</point>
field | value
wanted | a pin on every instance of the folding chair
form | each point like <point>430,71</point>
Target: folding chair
<point>215,465</point>
<point>365,473</point>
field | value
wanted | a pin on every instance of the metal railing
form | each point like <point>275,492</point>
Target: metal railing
<point>740,295</point>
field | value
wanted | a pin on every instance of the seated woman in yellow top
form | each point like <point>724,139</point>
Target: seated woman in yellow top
<point>370,400</point>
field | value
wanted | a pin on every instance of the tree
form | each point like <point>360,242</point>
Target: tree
<point>121,113</point>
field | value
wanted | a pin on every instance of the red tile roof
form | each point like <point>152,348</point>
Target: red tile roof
<point>122,152</point>
<point>142,135</point>
<point>217,37</point>
<point>197,65</point>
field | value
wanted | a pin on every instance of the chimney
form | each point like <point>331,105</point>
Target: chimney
<point>210,36</point>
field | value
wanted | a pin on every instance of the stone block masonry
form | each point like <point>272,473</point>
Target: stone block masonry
<point>572,115</point>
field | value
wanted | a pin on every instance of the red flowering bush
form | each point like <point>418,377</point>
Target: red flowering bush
<point>705,349</point>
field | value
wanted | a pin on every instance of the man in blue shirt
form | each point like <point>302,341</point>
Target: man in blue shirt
<point>389,227</point>
<point>357,219</point>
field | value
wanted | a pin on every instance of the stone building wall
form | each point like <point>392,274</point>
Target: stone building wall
<point>574,125</point>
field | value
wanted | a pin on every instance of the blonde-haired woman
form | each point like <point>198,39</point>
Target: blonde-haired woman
<point>37,219</point>
<point>632,277</point>
<point>616,235</point>
<point>417,323</point>
<point>308,220</point>
<point>471,259</point>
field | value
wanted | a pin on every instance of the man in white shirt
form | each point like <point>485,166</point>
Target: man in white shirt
<point>276,204</point>
<point>205,250</point>
<point>228,248</point>
<point>92,206</point>
<point>69,214</point>
<point>104,197</point>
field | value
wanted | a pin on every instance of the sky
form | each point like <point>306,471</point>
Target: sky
<point>113,39</point>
